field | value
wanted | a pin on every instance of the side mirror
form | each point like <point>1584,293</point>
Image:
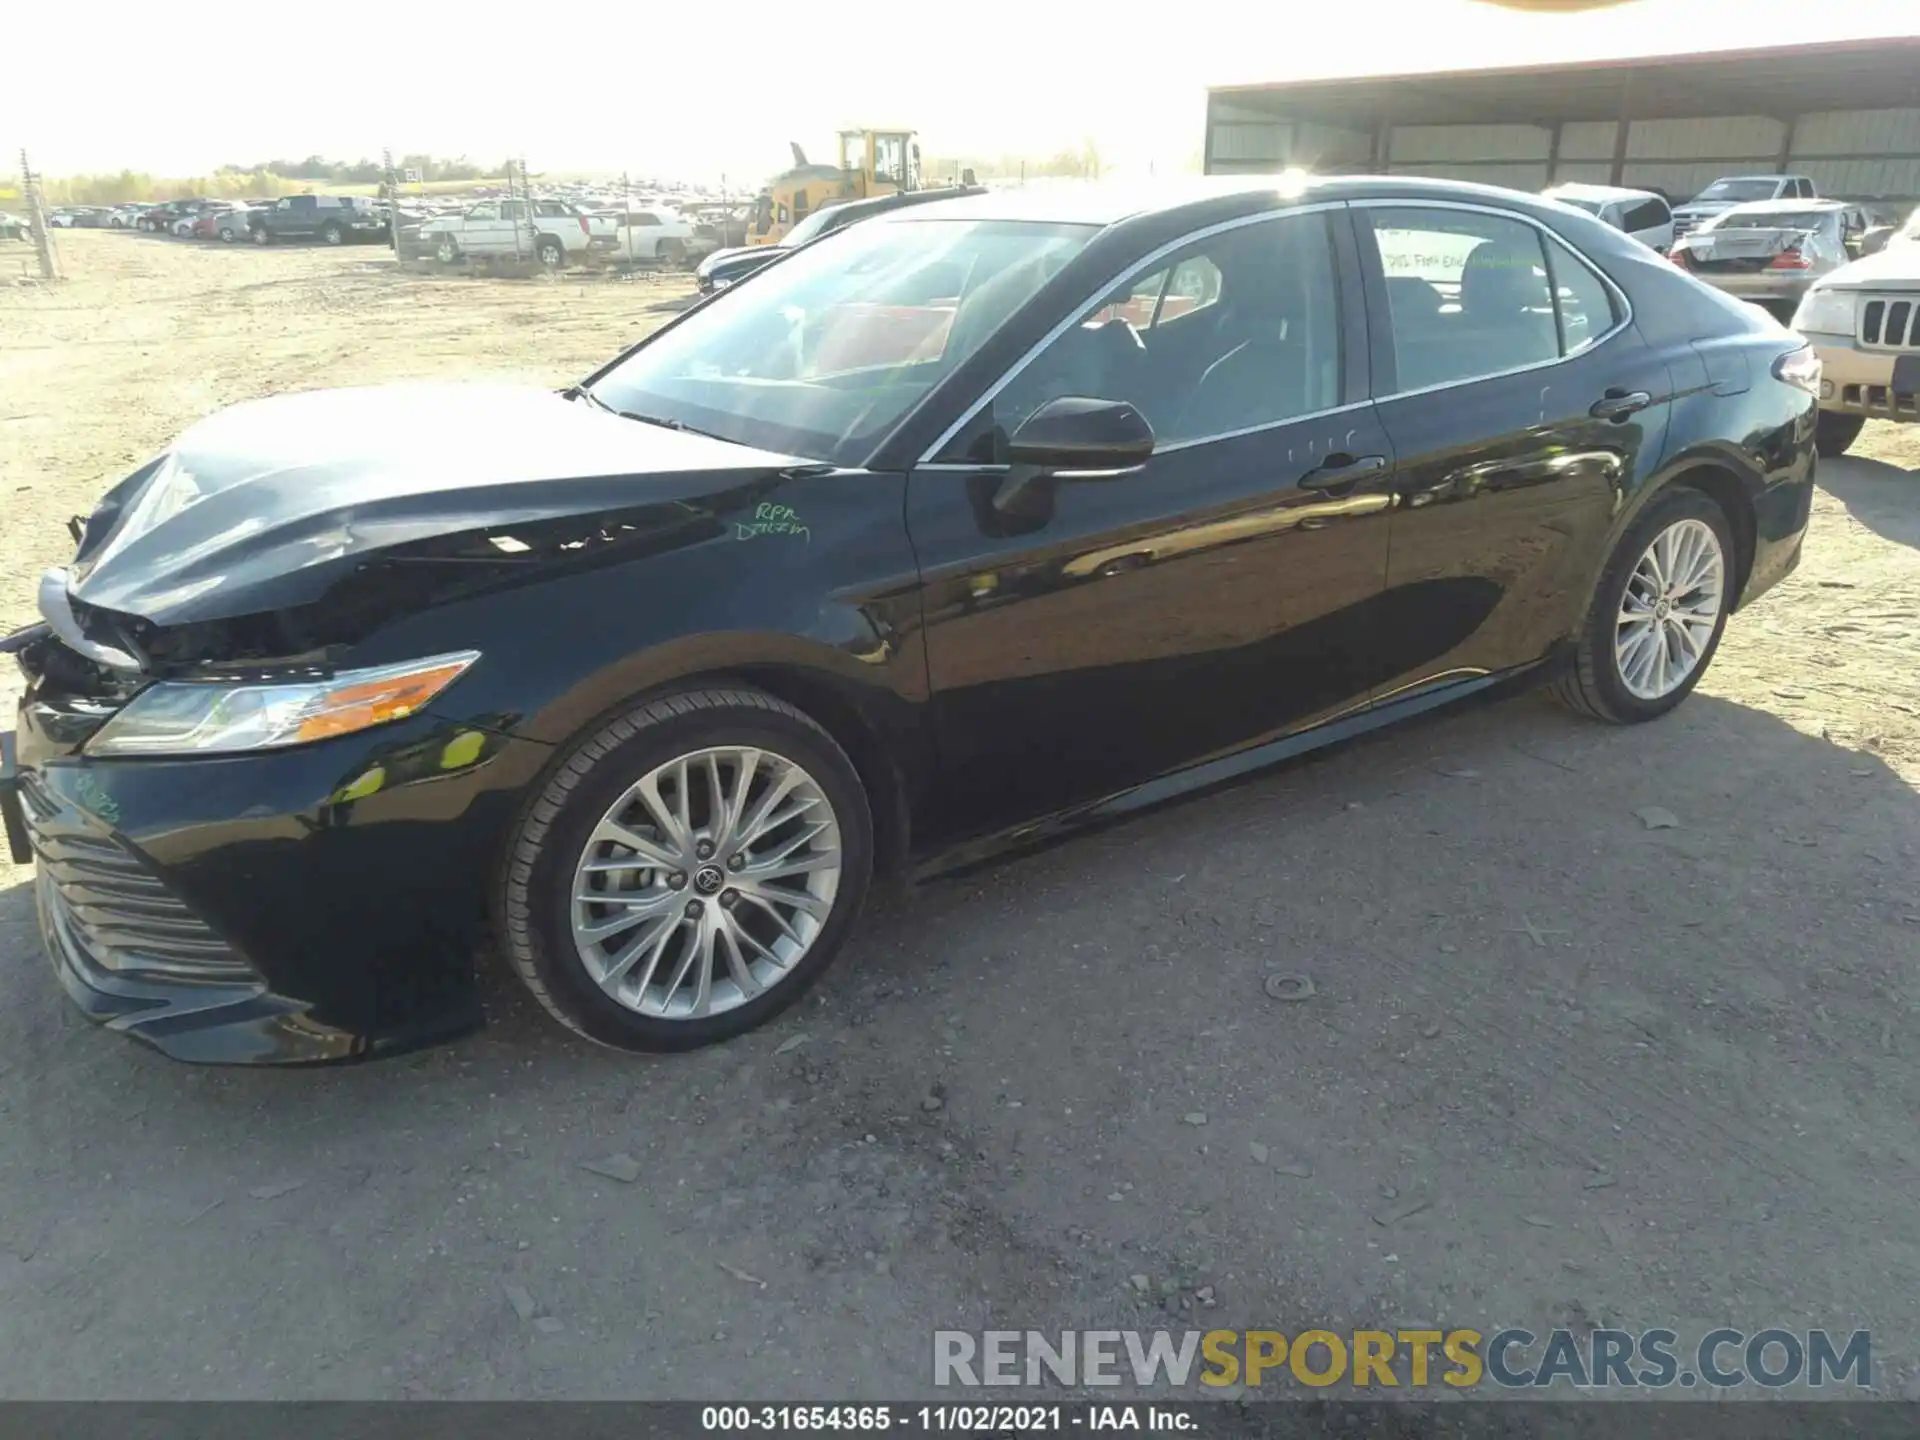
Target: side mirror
<point>1080,436</point>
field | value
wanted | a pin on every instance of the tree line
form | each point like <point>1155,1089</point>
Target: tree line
<point>264,180</point>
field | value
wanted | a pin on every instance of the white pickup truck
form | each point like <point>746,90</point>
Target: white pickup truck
<point>550,231</point>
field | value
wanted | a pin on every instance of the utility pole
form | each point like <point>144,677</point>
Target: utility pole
<point>393,199</point>
<point>37,221</point>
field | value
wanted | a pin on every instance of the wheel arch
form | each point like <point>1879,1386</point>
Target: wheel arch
<point>1726,481</point>
<point>1727,490</point>
<point>865,721</point>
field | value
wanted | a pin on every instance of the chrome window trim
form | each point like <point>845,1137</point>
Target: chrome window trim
<point>1549,236</point>
<point>1074,317</point>
<point>985,468</point>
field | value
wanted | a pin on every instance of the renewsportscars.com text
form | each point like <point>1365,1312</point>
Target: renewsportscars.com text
<point>1509,1358</point>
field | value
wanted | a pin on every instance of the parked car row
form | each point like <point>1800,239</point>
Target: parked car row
<point>329,219</point>
<point>558,232</point>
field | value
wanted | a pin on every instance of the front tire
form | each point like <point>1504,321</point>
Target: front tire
<point>1833,433</point>
<point>1657,613</point>
<point>688,871</point>
<point>259,235</point>
<point>333,233</point>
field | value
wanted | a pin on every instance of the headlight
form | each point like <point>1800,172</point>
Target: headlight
<point>1828,311</point>
<point>219,717</point>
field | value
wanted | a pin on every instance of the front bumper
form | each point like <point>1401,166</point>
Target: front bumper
<point>315,904</point>
<point>1857,381</point>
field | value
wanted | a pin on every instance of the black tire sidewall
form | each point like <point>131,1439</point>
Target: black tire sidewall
<point>550,885</point>
<point>1681,502</point>
<point>550,253</point>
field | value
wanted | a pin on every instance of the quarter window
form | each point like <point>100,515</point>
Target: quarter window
<point>1239,331</point>
<point>1583,305</point>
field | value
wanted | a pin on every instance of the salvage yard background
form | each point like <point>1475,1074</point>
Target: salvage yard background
<point>1566,1063</point>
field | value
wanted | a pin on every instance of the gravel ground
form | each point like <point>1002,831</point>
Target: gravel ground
<point>1639,1075</point>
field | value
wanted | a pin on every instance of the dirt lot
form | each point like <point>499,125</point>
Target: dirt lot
<point>1639,1076</point>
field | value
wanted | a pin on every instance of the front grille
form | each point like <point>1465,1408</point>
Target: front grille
<point>1882,400</point>
<point>1890,323</point>
<point>107,902</point>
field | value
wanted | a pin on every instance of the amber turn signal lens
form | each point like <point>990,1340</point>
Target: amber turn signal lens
<point>374,702</point>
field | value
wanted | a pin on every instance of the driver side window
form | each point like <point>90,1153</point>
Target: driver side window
<point>1239,331</point>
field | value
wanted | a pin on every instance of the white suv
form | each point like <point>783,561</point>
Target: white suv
<point>1864,320</point>
<point>1641,213</point>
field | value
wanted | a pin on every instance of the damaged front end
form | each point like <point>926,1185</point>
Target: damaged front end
<point>265,811</point>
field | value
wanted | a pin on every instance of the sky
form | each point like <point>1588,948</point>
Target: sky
<point>721,90</point>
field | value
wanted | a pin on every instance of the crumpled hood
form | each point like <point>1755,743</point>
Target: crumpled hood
<point>265,503</point>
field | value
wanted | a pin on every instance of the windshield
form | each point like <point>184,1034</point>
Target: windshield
<point>830,349</point>
<point>1738,190</point>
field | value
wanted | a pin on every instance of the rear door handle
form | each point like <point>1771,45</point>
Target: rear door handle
<point>1618,404</point>
<point>1340,469</point>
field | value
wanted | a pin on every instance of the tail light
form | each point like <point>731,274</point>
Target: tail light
<point>1800,368</point>
<point>1789,260</point>
<point>584,229</point>
<point>1679,257</point>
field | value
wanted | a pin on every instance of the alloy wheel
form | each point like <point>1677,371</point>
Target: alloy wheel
<point>1669,610</point>
<point>706,882</point>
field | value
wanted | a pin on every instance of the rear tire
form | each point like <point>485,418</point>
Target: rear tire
<point>447,249</point>
<point>551,253</point>
<point>1604,682</point>
<point>629,1000</point>
<point>1833,433</point>
<point>333,233</point>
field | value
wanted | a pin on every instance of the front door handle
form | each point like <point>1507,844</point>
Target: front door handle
<point>1340,469</point>
<point>1618,404</point>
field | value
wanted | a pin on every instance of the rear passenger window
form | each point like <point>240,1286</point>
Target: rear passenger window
<point>1647,215</point>
<point>1467,295</point>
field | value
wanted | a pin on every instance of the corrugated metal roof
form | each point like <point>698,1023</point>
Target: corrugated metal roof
<point>1878,74</point>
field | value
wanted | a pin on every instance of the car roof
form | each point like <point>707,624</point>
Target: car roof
<point>1103,203</point>
<point>1598,192</point>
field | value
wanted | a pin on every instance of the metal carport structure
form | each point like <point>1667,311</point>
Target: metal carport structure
<point>1847,113</point>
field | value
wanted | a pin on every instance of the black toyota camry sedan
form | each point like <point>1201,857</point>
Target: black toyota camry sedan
<point>988,521</point>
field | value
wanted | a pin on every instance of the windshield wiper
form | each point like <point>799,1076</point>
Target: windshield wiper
<point>580,392</point>
<point>668,423</point>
